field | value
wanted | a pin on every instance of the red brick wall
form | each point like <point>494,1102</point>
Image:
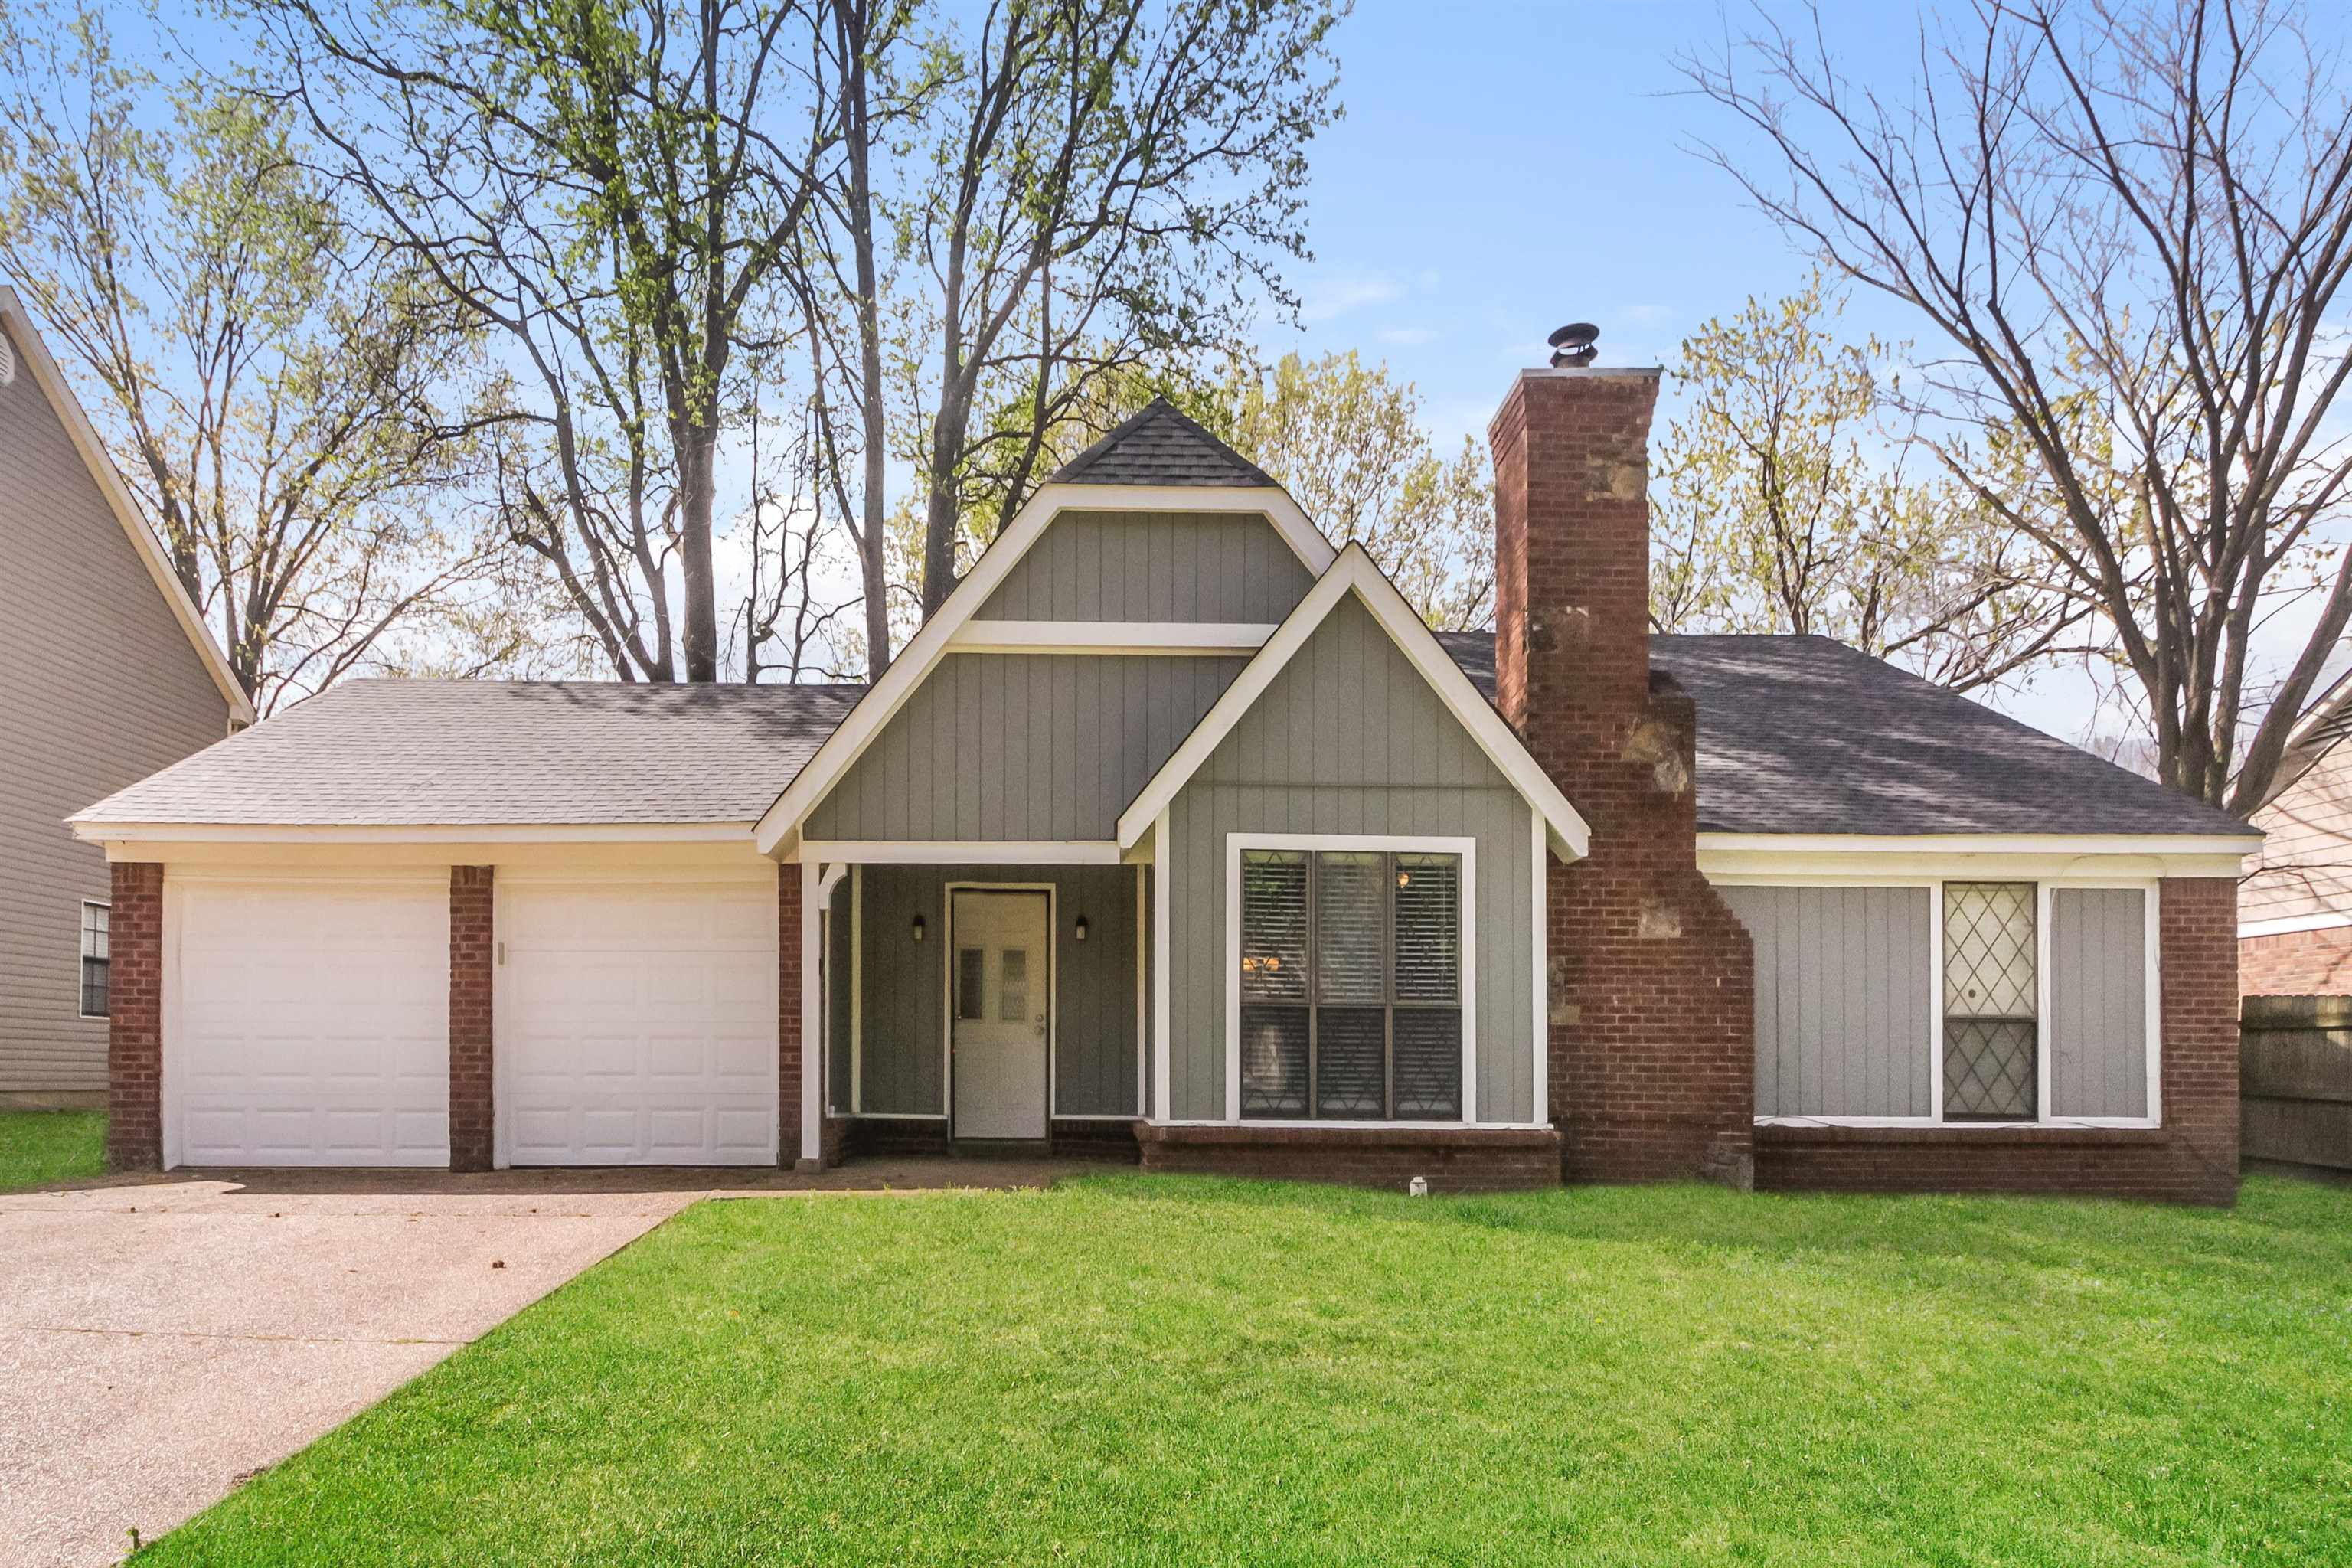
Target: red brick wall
<point>1652,976</point>
<point>134,1052</point>
<point>787,1019</point>
<point>2193,1157</point>
<point>1470,1160</point>
<point>2296,963</point>
<point>472,975</point>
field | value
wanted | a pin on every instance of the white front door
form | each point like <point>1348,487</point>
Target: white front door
<point>307,1022</point>
<point>636,1022</point>
<point>999,990</point>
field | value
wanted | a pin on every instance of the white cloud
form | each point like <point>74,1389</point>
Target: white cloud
<point>1327,302</point>
<point>1408,337</point>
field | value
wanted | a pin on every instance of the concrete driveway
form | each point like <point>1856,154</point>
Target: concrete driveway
<point>158,1341</point>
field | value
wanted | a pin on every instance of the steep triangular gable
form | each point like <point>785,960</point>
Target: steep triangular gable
<point>1160,445</point>
<point>923,655</point>
<point>45,375</point>
<point>1354,574</point>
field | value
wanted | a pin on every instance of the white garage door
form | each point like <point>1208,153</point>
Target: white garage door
<point>308,1022</point>
<point>637,1023</point>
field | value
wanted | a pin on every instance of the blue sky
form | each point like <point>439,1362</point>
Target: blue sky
<point>1506,167</point>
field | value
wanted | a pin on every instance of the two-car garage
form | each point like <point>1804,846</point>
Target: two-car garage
<point>305,1018</point>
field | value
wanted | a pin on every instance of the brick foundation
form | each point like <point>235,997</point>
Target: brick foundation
<point>2296,963</point>
<point>472,975</point>
<point>1456,1159</point>
<point>1651,976</point>
<point>134,1049</point>
<point>2193,1157</point>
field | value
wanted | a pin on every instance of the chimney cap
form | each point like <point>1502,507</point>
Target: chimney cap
<point>1573,344</point>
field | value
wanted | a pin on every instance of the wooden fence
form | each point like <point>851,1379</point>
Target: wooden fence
<point>2295,1078</point>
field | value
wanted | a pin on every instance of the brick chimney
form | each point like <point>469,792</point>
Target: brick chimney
<point>1652,976</point>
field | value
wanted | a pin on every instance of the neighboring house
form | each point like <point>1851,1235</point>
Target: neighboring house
<point>111,677</point>
<point>2295,910</point>
<point>1176,828</point>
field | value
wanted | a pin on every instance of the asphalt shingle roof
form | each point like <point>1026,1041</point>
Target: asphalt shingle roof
<point>468,753</point>
<point>1160,445</point>
<point>1803,735</point>
<point>1795,735</point>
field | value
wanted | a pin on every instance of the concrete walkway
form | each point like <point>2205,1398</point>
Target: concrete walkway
<point>161,1338</point>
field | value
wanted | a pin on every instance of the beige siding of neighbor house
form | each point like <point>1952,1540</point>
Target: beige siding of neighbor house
<point>1349,738</point>
<point>104,689</point>
<point>2306,864</point>
<point>1153,566</point>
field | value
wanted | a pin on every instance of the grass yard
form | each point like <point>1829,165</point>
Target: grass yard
<point>37,1147</point>
<point>1189,1372</point>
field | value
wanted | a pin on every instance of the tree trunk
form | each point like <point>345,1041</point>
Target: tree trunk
<point>696,461</point>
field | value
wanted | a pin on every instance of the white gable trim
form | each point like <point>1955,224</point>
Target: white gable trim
<point>1354,573</point>
<point>110,484</point>
<point>921,655</point>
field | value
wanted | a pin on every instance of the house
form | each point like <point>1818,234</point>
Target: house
<point>111,676</point>
<point>1176,830</point>
<point>2294,908</point>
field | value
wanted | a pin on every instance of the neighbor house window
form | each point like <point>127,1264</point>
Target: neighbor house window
<point>94,959</point>
<point>1351,985</point>
<point>1993,1029</point>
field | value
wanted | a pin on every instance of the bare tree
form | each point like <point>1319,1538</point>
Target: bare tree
<point>1786,504</point>
<point>270,379</point>
<point>610,190</point>
<point>1105,181</point>
<point>2131,221</point>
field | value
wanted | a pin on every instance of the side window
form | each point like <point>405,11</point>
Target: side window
<point>94,919</point>
<point>971,1002</point>
<point>1013,985</point>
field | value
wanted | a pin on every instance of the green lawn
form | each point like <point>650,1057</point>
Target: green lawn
<point>1188,1371</point>
<point>37,1147</point>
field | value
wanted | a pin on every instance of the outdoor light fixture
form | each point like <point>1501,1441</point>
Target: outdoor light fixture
<point>918,928</point>
<point>1079,931</point>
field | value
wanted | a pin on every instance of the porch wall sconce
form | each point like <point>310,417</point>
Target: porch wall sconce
<point>1079,930</point>
<point>918,927</point>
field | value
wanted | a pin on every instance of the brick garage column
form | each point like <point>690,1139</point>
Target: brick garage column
<point>788,1015</point>
<point>472,974</point>
<point>2197,931</point>
<point>134,1047</point>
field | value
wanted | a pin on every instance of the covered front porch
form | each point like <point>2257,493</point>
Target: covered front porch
<point>978,1005</point>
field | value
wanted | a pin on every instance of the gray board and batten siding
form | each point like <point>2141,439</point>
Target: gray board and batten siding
<point>1228,567</point>
<point>1349,738</point>
<point>105,689</point>
<point>902,1026</point>
<point>1844,997</point>
<point>1844,994</point>
<point>1022,747</point>
<point>2098,1002</point>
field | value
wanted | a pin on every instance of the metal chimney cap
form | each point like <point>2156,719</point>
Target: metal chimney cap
<point>1573,344</point>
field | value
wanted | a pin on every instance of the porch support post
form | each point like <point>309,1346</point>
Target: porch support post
<point>812,1049</point>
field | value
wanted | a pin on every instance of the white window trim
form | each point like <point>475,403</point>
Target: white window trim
<point>1235,844</point>
<point>81,931</point>
<point>2150,889</point>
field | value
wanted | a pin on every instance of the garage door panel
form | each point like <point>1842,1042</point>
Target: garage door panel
<point>308,1023</point>
<point>642,1020</point>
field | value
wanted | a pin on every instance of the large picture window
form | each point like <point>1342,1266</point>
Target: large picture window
<point>1351,986</point>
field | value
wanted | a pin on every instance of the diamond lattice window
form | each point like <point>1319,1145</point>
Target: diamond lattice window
<point>1991,991</point>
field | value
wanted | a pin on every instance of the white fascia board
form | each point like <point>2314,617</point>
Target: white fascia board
<point>923,652</point>
<point>2288,925</point>
<point>1354,571</point>
<point>1833,858</point>
<point>414,833</point>
<point>1110,637</point>
<point>110,484</point>
<point>961,852</point>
